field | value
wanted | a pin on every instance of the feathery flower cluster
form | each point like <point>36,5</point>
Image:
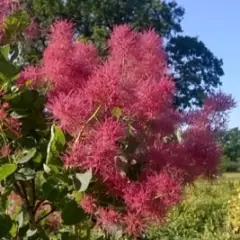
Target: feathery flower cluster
<point>120,114</point>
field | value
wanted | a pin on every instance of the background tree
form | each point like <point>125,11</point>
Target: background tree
<point>231,149</point>
<point>195,69</point>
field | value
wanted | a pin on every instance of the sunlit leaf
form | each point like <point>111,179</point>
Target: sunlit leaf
<point>6,170</point>
<point>117,112</point>
<point>25,174</point>
<point>5,50</point>
<point>55,146</point>
<point>84,179</point>
<point>27,155</point>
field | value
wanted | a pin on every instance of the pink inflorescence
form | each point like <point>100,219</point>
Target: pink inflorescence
<point>120,114</point>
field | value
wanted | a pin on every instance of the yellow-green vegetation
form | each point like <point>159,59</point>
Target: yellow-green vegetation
<point>234,211</point>
<point>210,211</point>
<point>231,176</point>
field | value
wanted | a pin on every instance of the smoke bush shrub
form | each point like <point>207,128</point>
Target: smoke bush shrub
<point>120,116</point>
<point>121,129</point>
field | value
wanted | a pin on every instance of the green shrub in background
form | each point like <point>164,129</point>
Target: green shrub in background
<point>202,216</point>
<point>229,166</point>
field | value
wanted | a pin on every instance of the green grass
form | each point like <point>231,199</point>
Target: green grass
<point>204,213</point>
<point>232,176</point>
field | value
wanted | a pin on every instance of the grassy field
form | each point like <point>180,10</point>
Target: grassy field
<point>204,214</point>
<point>231,176</point>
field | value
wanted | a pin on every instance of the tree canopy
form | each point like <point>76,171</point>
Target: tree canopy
<point>231,144</point>
<point>195,68</point>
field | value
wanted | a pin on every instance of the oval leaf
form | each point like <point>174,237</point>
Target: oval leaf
<point>7,70</point>
<point>5,50</point>
<point>27,156</point>
<point>85,179</point>
<point>53,190</point>
<point>6,170</point>
<point>55,146</point>
<point>72,214</point>
<point>25,174</point>
<point>31,232</point>
<point>5,225</point>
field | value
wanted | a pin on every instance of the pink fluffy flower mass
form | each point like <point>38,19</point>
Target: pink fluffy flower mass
<point>120,114</point>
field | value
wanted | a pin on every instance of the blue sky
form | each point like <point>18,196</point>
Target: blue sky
<point>217,24</point>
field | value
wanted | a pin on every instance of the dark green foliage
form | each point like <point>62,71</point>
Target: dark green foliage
<point>72,214</point>
<point>231,144</point>
<point>231,149</point>
<point>196,69</point>
<point>5,225</point>
<point>31,174</point>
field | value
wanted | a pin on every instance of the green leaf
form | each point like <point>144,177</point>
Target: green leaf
<point>31,232</point>
<point>25,174</point>
<point>77,196</point>
<point>49,169</point>
<point>22,231</point>
<point>53,190</point>
<point>55,146</point>
<point>23,102</point>
<point>84,179</point>
<point>68,236</point>
<point>13,230</point>
<point>20,219</point>
<point>5,225</point>
<point>46,168</point>
<point>8,71</point>
<point>6,170</point>
<point>5,50</point>
<point>4,199</point>
<point>39,179</point>
<point>38,158</point>
<point>27,155</point>
<point>117,112</point>
<point>72,214</point>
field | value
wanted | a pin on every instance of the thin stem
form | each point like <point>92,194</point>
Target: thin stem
<point>25,196</point>
<point>77,232</point>
<point>86,123</point>
<point>33,192</point>
<point>46,215</point>
<point>18,190</point>
<point>37,205</point>
<point>29,207</point>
